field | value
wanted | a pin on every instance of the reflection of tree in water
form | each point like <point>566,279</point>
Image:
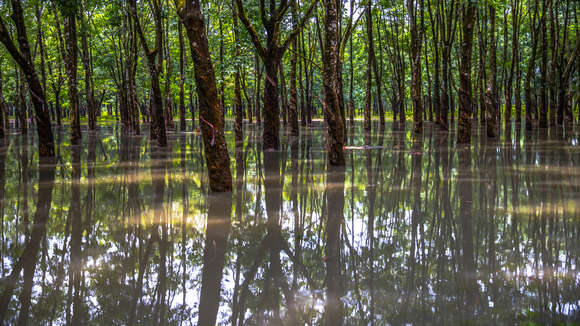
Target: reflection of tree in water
<point>27,261</point>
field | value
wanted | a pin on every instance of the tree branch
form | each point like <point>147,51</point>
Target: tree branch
<point>250,28</point>
<point>298,28</point>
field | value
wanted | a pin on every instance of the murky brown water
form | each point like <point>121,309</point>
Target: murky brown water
<point>408,233</point>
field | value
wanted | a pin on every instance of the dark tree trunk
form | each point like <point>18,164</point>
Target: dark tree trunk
<point>89,86</point>
<point>2,110</point>
<point>331,103</point>
<point>154,58</point>
<point>415,59</point>
<point>293,105</point>
<point>284,101</point>
<point>211,119</point>
<point>529,99</point>
<point>71,65</point>
<point>271,136</point>
<point>491,92</point>
<point>372,60</point>
<point>465,87</point>
<point>238,108</point>
<point>271,56</point>
<point>544,69</point>
<point>23,58</point>
<point>182,125</point>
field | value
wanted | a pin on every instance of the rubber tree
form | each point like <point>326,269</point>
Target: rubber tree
<point>332,88</point>
<point>210,115</point>
<point>69,10</point>
<point>465,85</point>
<point>415,58</point>
<point>154,58</point>
<point>271,53</point>
<point>23,58</point>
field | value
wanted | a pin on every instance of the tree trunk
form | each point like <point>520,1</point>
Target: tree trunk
<point>415,59</point>
<point>154,59</point>
<point>2,110</point>
<point>465,87</point>
<point>271,139</point>
<point>89,86</point>
<point>71,62</point>
<point>491,92</point>
<point>182,126</point>
<point>216,151</point>
<point>238,108</point>
<point>530,102</point>
<point>544,69</point>
<point>331,103</point>
<point>24,60</point>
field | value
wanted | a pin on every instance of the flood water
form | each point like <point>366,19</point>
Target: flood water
<point>409,232</point>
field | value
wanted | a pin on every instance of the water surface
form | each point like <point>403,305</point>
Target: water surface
<point>412,231</point>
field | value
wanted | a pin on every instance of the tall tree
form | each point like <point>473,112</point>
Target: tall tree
<point>416,35</point>
<point>69,10</point>
<point>332,87</point>
<point>238,108</point>
<point>210,116</point>
<point>271,54</point>
<point>154,61</point>
<point>491,93</point>
<point>22,56</point>
<point>465,87</point>
<point>88,66</point>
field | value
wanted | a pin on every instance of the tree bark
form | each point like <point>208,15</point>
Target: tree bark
<point>69,12</point>
<point>238,107</point>
<point>415,59</point>
<point>154,59</point>
<point>491,92</point>
<point>211,119</point>
<point>89,86</point>
<point>23,58</point>
<point>331,103</point>
<point>465,87</point>
<point>182,125</point>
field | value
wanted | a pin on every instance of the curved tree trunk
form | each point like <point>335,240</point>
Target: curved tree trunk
<point>211,119</point>
<point>23,58</point>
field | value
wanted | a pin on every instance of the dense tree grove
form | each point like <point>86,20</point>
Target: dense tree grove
<point>500,63</point>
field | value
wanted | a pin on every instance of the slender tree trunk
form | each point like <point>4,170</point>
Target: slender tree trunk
<point>154,60</point>
<point>415,59</point>
<point>293,105</point>
<point>71,62</point>
<point>238,108</point>
<point>216,151</point>
<point>2,117</point>
<point>351,83</point>
<point>284,101</point>
<point>331,103</point>
<point>168,76</point>
<point>23,58</point>
<point>89,86</point>
<point>465,87</point>
<point>372,60</point>
<point>369,68</point>
<point>544,69</point>
<point>491,92</point>
<point>182,125</point>
<point>529,100</point>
